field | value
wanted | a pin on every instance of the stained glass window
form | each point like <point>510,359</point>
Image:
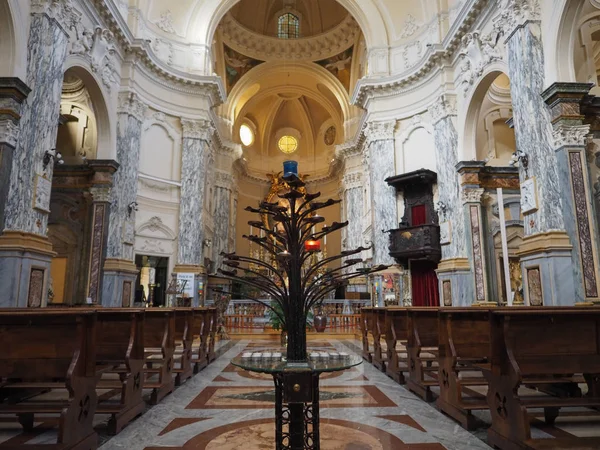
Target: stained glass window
<point>288,26</point>
<point>288,144</point>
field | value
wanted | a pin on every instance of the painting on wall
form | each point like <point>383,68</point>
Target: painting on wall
<point>340,66</point>
<point>236,66</point>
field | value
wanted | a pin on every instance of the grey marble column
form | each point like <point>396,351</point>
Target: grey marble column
<point>454,270</point>
<point>119,268</point>
<point>222,212</point>
<point>13,92</point>
<point>546,249</point>
<point>353,207</point>
<point>381,157</point>
<point>25,252</point>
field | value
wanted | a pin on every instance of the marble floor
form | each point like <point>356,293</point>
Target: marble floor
<point>226,408</point>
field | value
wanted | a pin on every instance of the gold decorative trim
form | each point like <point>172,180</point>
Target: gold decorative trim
<point>190,268</point>
<point>453,264</point>
<point>543,242</point>
<point>485,305</point>
<point>30,242</point>
<point>120,265</point>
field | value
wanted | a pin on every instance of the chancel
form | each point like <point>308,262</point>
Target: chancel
<point>299,224</point>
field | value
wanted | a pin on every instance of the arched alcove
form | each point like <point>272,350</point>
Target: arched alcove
<point>415,150</point>
<point>13,39</point>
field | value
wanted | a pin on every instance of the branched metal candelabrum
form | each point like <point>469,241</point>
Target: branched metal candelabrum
<point>294,280</point>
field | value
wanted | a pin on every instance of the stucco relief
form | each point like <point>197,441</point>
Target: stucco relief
<point>477,53</point>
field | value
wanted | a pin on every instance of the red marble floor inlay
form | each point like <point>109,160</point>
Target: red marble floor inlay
<point>404,420</point>
<point>220,378</point>
<point>181,422</point>
<point>336,434</point>
<point>251,397</point>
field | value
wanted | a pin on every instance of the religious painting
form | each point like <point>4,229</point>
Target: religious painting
<point>340,66</point>
<point>534,284</point>
<point>529,202</point>
<point>236,66</point>
<point>329,136</point>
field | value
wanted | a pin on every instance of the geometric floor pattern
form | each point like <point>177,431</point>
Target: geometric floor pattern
<point>225,408</point>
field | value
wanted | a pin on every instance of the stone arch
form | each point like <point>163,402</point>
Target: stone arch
<point>562,29</point>
<point>365,12</point>
<point>467,139</point>
<point>13,39</point>
<point>105,122</point>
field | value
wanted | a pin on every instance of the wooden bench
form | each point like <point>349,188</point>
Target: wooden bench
<point>396,333</point>
<point>159,348</point>
<point>379,353</point>
<point>422,351</point>
<point>200,329</point>
<point>531,343</point>
<point>184,339</point>
<point>464,348</point>
<point>212,325</point>
<point>367,319</point>
<point>51,350</point>
<point>120,363</point>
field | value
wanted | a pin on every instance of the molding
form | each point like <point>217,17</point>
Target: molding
<point>267,48</point>
<point>130,103</point>
<point>101,193</point>
<point>26,242</point>
<point>471,195</point>
<point>454,265</point>
<point>155,224</point>
<point>9,132</point>
<point>515,14</point>
<point>570,135</point>
<point>197,129</point>
<point>478,53</point>
<point>190,268</point>
<point>443,107</point>
<point>352,180</point>
<point>544,242</point>
<point>61,11</point>
<point>120,265</point>
<point>380,131</point>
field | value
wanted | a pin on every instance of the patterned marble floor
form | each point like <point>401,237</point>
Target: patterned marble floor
<point>225,408</point>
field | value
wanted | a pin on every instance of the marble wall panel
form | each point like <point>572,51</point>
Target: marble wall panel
<point>191,225</point>
<point>446,142</point>
<point>222,207</point>
<point>354,209</point>
<point>383,198</point>
<point>47,51</point>
<point>478,262</point>
<point>533,129</point>
<point>124,192</point>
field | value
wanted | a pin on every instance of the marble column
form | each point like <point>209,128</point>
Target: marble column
<point>454,270</point>
<point>381,165</point>
<point>25,251</point>
<point>546,249</point>
<point>13,92</point>
<point>570,141</point>
<point>352,195</point>
<point>222,215</point>
<point>196,143</point>
<point>101,196</point>
<point>120,270</point>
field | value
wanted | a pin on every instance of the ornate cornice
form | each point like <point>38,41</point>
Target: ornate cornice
<point>443,107</point>
<point>515,13</point>
<point>433,57</point>
<point>570,135</point>
<point>380,131</point>
<point>197,129</point>
<point>130,103</point>
<point>472,195</point>
<point>267,48</point>
<point>352,180</point>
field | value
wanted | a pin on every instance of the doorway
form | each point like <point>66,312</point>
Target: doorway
<point>152,280</point>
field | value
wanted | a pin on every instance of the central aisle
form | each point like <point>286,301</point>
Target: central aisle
<point>225,408</point>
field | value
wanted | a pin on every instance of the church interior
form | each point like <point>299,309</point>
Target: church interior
<point>299,224</point>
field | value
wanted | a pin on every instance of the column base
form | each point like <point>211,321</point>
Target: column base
<point>25,260</point>
<point>119,283</point>
<point>455,282</point>
<point>547,266</point>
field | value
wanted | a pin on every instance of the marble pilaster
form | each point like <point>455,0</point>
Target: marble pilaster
<point>454,270</point>
<point>119,268</point>
<point>381,156</point>
<point>570,141</point>
<point>221,214</point>
<point>25,252</point>
<point>101,196</point>
<point>353,204</point>
<point>546,250</point>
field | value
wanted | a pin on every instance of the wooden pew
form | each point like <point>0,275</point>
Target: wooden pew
<point>422,351</point>
<point>367,316</point>
<point>120,351</point>
<point>51,350</point>
<point>533,343</point>
<point>159,347</point>
<point>379,354</point>
<point>396,333</point>
<point>202,323</point>
<point>184,338</point>
<point>464,348</point>
<point>212,324</point>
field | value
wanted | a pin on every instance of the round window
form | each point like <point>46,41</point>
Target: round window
<point>246,135</point>
<point>288,144</point>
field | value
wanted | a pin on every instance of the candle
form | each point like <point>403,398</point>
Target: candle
<point>312,246</point>
<point>290,168</point>
<point>250,230</point>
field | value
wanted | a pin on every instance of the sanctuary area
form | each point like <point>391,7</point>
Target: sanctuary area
<point>299,224</point>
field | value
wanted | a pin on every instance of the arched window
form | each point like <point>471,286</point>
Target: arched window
<point>288,26</point>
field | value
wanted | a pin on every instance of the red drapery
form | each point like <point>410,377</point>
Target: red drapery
<point>424,284</point>
<point>418,215</point>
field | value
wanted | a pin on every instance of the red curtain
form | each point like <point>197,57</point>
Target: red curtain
<point>418,215</point>
<point>424,284</point>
